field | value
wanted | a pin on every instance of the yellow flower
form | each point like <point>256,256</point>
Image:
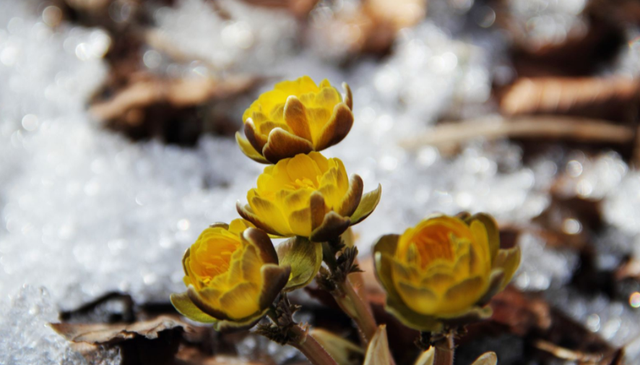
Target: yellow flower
<point>295,117</point>
<point>232,276</point>
<point>444,270</point>
<point>308,196</point>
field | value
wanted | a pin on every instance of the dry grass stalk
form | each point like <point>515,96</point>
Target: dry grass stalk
<point>556,127</point>
<point>176,92</point>
<point>568,355</point>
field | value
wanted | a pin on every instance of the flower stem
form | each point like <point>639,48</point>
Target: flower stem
<point>445,349</point>
<point>355,307</point>
<point>342,289</point>
<point>286,332</point>
<point>310,347</point>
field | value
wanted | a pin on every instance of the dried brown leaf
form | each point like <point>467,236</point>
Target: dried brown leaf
<point>575,96</point>
<point>519,312</point>
<point>102,333</point>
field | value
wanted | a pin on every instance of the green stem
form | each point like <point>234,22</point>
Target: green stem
<point>444,350</point>
<point>346,296</point>
<point>311,348</point>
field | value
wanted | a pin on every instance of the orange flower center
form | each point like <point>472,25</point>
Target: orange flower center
<point>302,183</point>
<point>433,243</point>
<point>212,257</point>
<point>437,240</point>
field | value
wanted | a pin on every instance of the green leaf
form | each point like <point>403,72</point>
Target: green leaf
<point>378,350</point>
<point>368,203</point>
<point>344,352</point>
<point>304,257</point>
<point>185,306</point>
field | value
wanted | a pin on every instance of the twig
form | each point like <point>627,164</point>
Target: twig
<point>177,92</point>
<point>566,354</point>
<point>580,129</point>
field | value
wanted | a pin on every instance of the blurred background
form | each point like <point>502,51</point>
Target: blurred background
<point>116,150</point>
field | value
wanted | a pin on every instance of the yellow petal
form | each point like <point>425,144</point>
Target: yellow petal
<point>348,100</point>
<point>493,233</point>
<point>269,213</point>
<point>241,301</point>
<point>295,115</point>
<point>420,299</point>
<point>249,150</point>
<point>481,255</point>
<point>368,204</point>
<point>335,129</point>
<point>303,167</point>
<point>300,222</point>
<point>323,162</point>
<point>299,86</point>
<point>351,200</point>
<point>251,263</point>
<point>237,226</point>
<point>255,138</point>
<point>328,97</point>
<point>282,144</point>
<point>462,296</point>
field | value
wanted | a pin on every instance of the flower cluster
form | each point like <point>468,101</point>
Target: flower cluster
<point>233,273</point>
<point>438,275</point>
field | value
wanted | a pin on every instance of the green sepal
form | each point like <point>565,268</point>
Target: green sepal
<point>368,204</point>
<point>234,326</point>
<point>304,257</point>
<point>185,306</point>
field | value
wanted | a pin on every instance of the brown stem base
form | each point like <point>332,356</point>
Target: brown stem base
<point>311,348</point>
<point>445,349</point>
